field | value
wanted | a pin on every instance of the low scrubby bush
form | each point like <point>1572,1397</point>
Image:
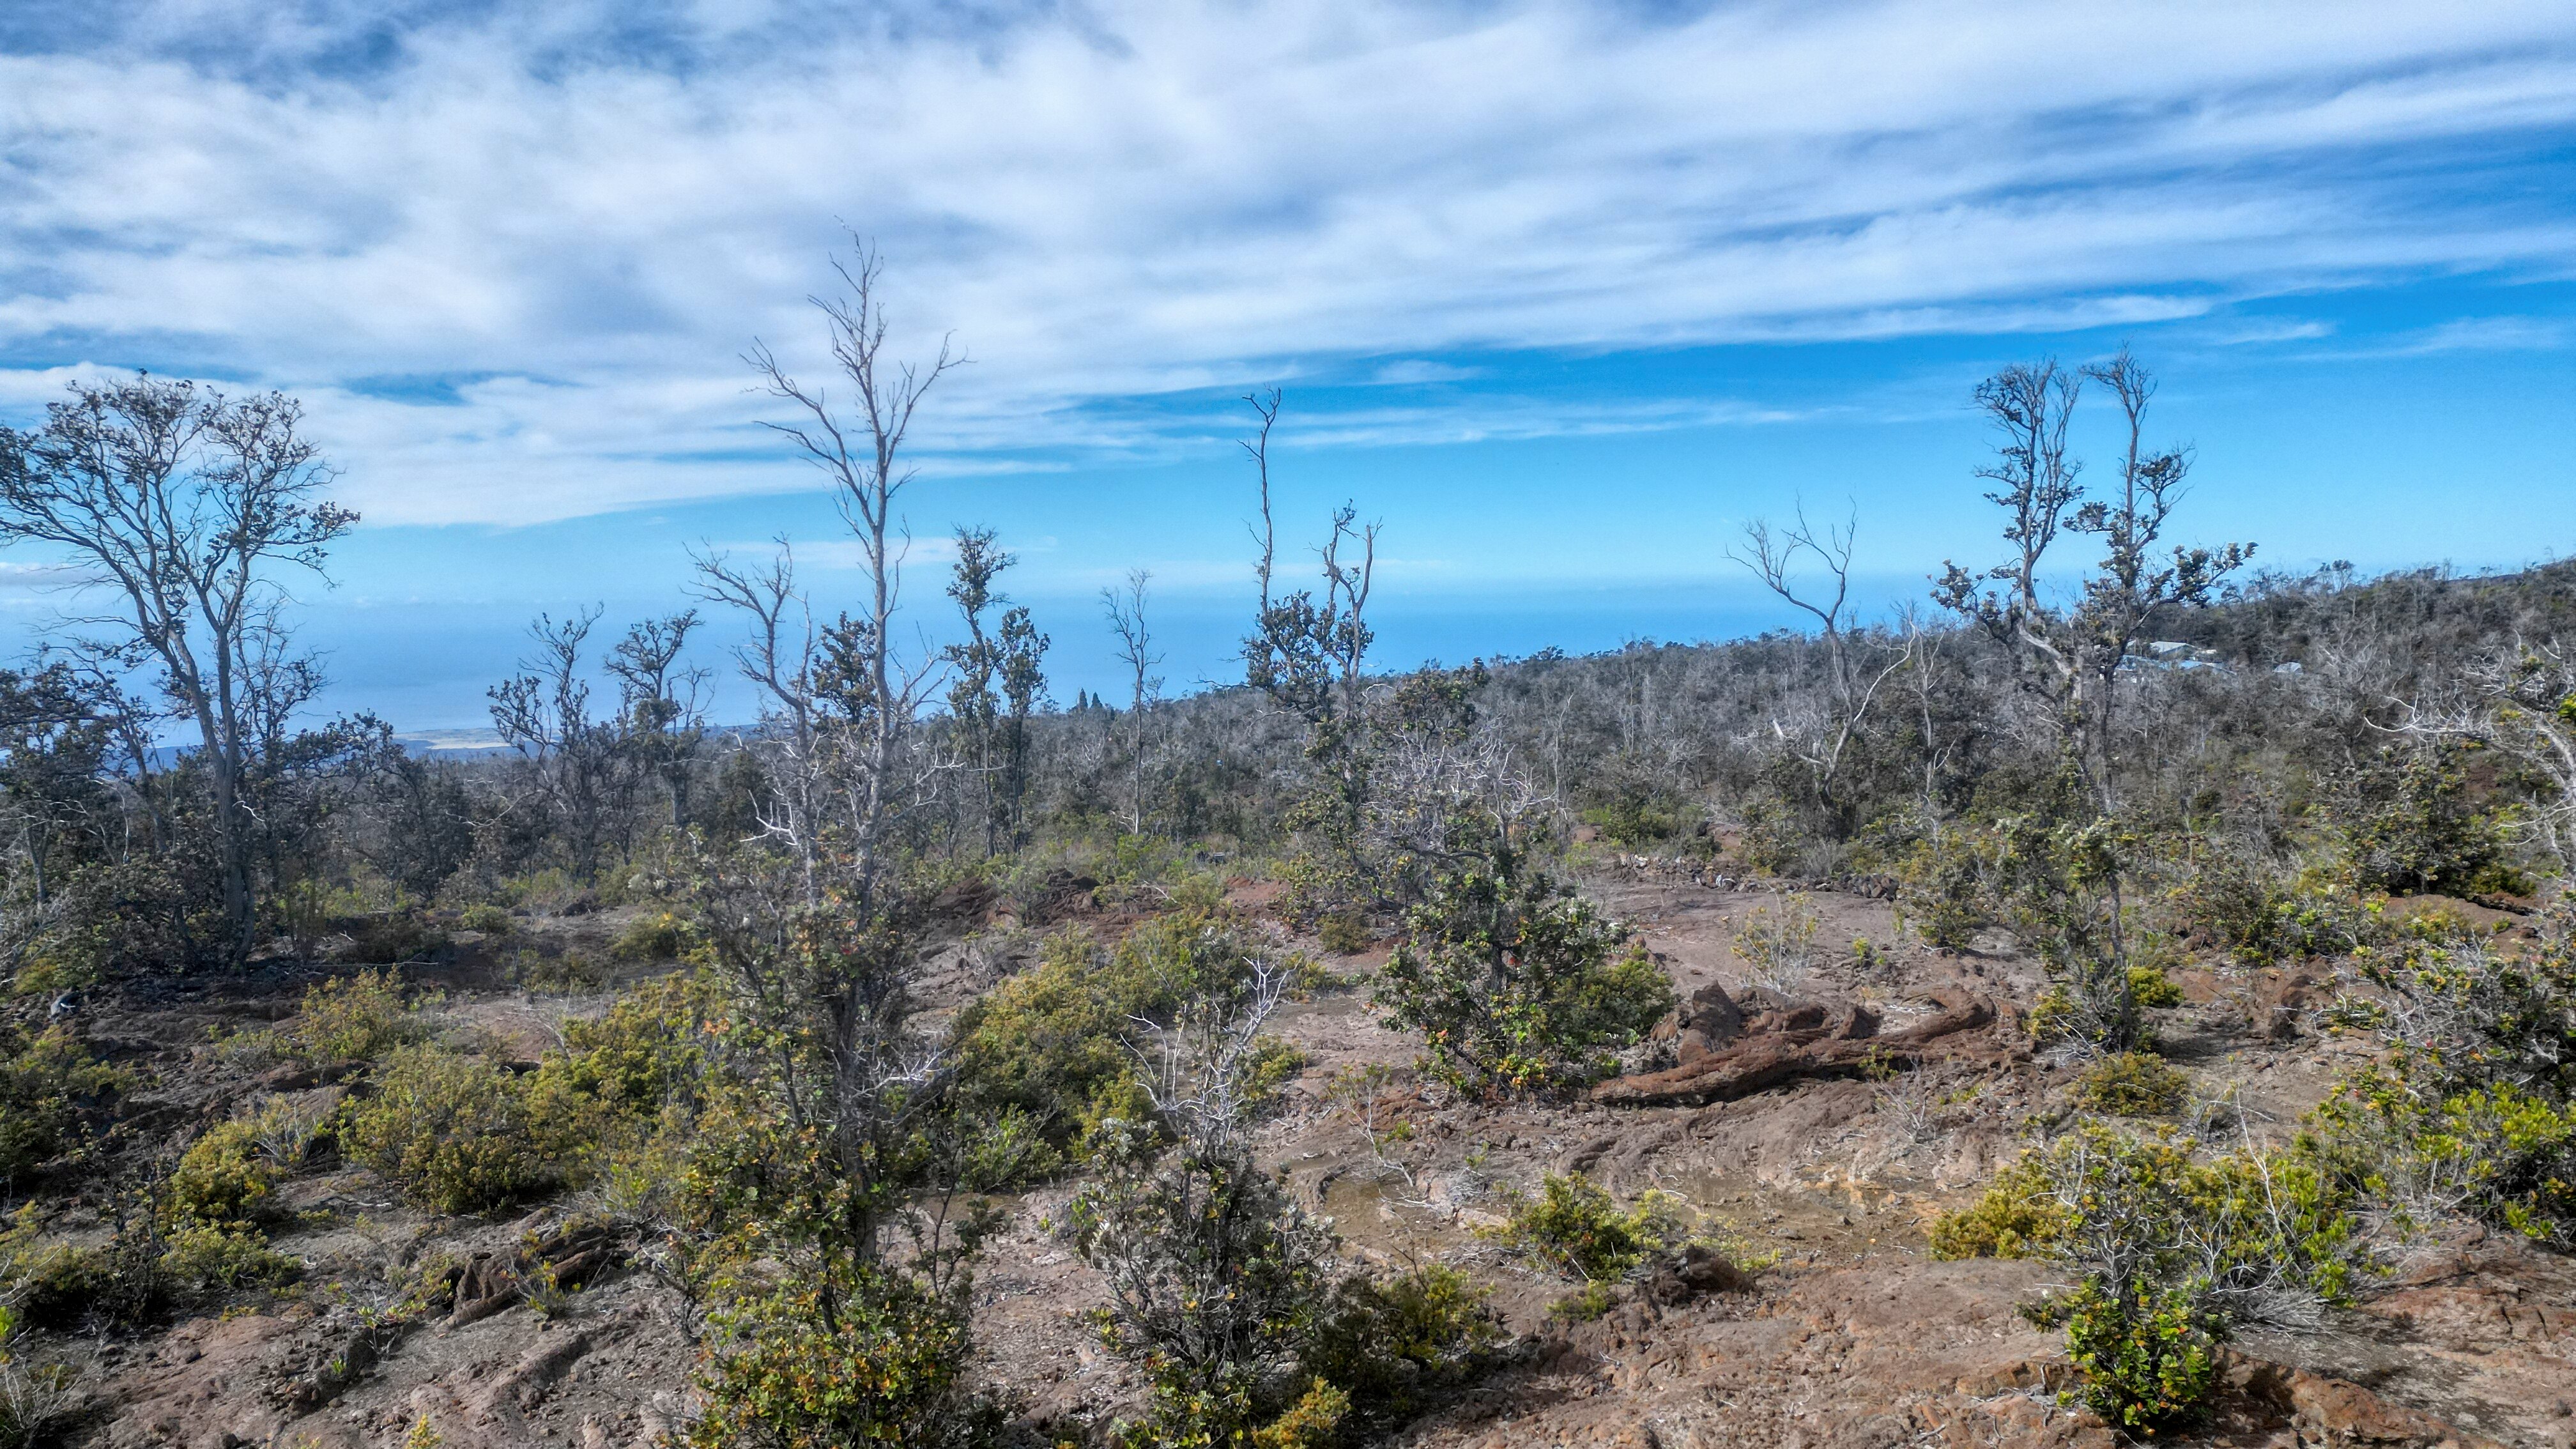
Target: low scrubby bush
<point>348,1019</point>
<point>1391,1345</point>
<point>873,1361</point>
<point>2473,1109</point>
<point>2174,1249</point>
<point>45,1081</point>
<point>2416,826</point>
<point>457,1131</point>
<point>1517,985</point>
<point>2131,1084</point>
<point>566,973</point>
<point>1043,1059</point>
<point>1941,890</point>
<point>1777,943</point>
<point>2263,916</point>
<point>224,1177</point>
<point>395,938</point>
<point>2148,1351</point>
<point>659,936</point>
<point>1576,1228</point>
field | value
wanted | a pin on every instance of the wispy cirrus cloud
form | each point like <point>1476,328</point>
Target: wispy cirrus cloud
<point>510,256</point>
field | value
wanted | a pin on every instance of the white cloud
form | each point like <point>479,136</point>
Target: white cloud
<point>589,212</point>
<point>2492,334</point>
<point>1417,372</point>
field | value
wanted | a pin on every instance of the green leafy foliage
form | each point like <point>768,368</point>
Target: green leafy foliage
<point>2148,1353</point>
<point>2417,826</point>
<point>456,1131</point>
<point>646,1052</point>
<point>2018,1216</point>
<point>349,1019</point>
<point>865,1359</point>
<point>657,936</point>
<point>1216,1279</point>
<point>1391,1345</point>
<point>2473,1109</point>
<point>2173,1248</point>
<point>1575,1227</point>
<point>2263,916</point>
<point>1941,891</point>
<point>46,1080</point>
<point>224,1178</point>
<point>2131,1084</point>
<point>1518,985</point>
<point>1044,1056</point>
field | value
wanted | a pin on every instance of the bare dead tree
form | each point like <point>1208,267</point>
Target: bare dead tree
<point>817,951</point>
<point>779,661</point>
<point>186,506</point>
<point>1772,557</point>
<point>859,450</point>
<point>1257,449</point>
<point>1923,650</point>
<point>1126,609</point>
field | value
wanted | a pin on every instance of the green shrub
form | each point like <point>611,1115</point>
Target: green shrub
<point>1640,816</point>
<point>457,1132</point>
<point>569,973</point>
<point>1516,985</point>
<point>1941,891</point>
<point>2131,1084</point>
<point>1778,945</point>
<point>1043,1057</point>
<point>2418,828</point>
<point>877,1362</point>
<point>348,1019</point>
<point>51,1284</point>
<point>1392,1343</point>
<point>396,938</point>
<point>2173,1250</point>
<point>1576,1228</point>
<point>204,1260</point>
<point>2234,902</point>
<point>2494,1152</point>
<point>2149,1355</point>
<point>2473,1110</point>
<point>657,937</point>
<point>44,1081</point>
<point>154,1260</point>
<point>223,1178</point>
<point>487,918</point>
<point>1344,933</point>
<point>2017,1217</point>
<point>2150,987</point>
<point>1216,1277</point>
<point>647,1051</point>
<point>1586,1303</point>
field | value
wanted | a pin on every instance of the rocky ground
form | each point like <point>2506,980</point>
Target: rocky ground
<point>1852,1337</point>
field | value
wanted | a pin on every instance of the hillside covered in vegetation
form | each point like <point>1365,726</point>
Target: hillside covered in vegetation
<point>2127,994</point>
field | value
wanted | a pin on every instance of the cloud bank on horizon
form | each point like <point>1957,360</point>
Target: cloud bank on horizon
<point>510,255</point>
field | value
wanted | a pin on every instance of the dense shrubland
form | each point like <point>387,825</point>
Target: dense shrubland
<point>2177,760</point>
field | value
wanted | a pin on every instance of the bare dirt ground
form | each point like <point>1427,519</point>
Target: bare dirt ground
<point>1852,1339</point>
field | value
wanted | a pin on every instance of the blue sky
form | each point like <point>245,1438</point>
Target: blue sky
<point>1562,294</point>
